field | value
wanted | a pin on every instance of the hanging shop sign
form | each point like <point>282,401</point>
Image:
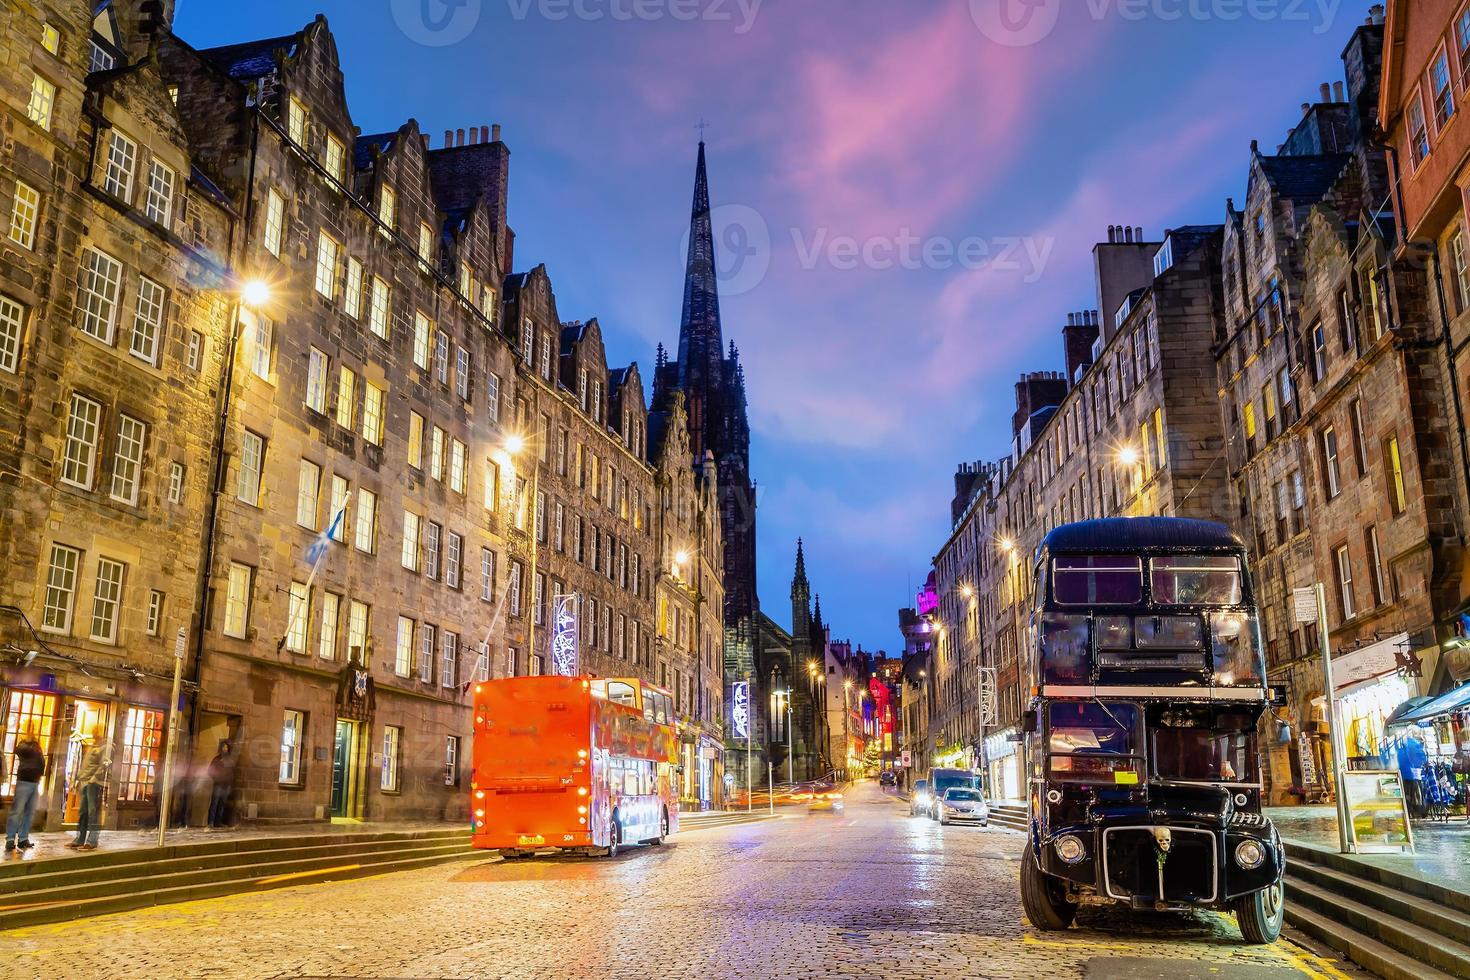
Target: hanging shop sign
<point>564,635</point>
<point>740,708</point>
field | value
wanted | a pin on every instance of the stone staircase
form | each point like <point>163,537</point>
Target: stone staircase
<point>1399,927</point>
<point>1012,816</point>
<point>62,888</point>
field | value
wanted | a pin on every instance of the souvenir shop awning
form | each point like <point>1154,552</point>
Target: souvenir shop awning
<point>1435,707</point>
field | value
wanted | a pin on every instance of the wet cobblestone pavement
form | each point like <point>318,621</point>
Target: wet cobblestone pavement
<point>865,892</point>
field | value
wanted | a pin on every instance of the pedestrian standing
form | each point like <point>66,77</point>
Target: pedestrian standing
<point>30,766</point>
<point>222,776</point>
<point>90,781</point>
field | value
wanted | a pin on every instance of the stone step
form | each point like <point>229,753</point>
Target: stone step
<point>142,877</point>
<point>1382,959</point>
<point>1444,920</point>
<point>1382,877</point>
<point>81,907</point>
<point>73,874</point>
<point>133,855</point>
<point>1428,947</point>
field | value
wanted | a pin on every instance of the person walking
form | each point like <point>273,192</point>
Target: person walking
<point>222,776</point>
<point>30,766</point>
<point>90,780</point>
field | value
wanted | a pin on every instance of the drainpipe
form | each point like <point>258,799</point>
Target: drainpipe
<point>221,430</point>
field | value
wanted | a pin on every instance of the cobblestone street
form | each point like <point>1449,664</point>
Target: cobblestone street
<point>864,892</point>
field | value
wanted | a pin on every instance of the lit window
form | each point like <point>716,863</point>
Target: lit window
<point>492,395</point>
<point>43,99</point>
<point>293,734</point>
<point>489,305</point>
<point>462,373</point>
<point>158,205</point>
<point>423,331</point>
<point>378,308</point>
<point>487,574</point>
<point>296,121</point>
<point>51,39</point>
<point>359,630</point>
<point>252,458</point>
<point>298,617</point>
<point>392,737</point>
<point>352,289</point>
<point>372,413</point>
<point>403,649</point>
<point>366,532</point>
<point>387,209</point>
<point>275,221</point>
<point>326,645</point>
<point>106,599</point>
<point>453,559</point>
<point>316,381</point>
<point>25,212</point>
<point>326,265</point>
<point>147,321</point>
<point>12,330</point>
<point>457,456</point>
<point>515,588</point>
<point>237,600</point>
<point>410,552</point>
<point>308,489</point>
<point>426,243</point>
<point>346,397</point>
<point>336,158</point>
<point>337,516</point>
<point>142,741</point>
<point>441,357</point>
<point>127,462</point>
<point>426,653</point>
<point>260,355</point>
<point>61,588</point>
<point>466,282</point>
<point>415,440</point>
<point>98,284</point>
<point>79,455</point>
<point>122,157</point>
<point>1398,499</point>
<point>436,454</point>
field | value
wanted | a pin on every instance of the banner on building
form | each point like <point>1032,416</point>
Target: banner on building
<point>564,635</point>
<point>740,709</point>
<point>987,696</point>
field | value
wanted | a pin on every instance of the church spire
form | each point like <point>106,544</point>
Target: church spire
<point>799,584</point>
<point>701,345</point>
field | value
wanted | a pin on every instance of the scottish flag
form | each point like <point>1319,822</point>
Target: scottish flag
<point>318,549</point>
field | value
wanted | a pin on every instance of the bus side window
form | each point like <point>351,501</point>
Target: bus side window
<point>621,693</point>
<point>665,715</point>
<point>648,705</point>
<point>630,783</point>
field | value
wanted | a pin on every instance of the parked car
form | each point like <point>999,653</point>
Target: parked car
<point>919,801</point>
<point>962,806</point>
<point>887,778</point>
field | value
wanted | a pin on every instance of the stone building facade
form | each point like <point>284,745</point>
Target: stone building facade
<point>272,383</point>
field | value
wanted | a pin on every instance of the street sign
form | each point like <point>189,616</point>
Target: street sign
<point>905,760</point>
<point>1304,605</point>
<point>179,644</point>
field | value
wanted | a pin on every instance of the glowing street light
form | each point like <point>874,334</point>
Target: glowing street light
<point>1128,456</point>
<point>1006,544</point>
<point>514,444</point>
<point>968,591</point>
<point>255,293</point>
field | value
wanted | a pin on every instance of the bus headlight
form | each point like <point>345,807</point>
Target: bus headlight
<point>1071,849</point>
<point>1250,854</point>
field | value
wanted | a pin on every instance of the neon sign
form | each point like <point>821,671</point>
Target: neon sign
<point>564,634</point>
<point>740,708</point>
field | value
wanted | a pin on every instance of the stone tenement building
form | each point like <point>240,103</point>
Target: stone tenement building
<point>1130,429</point>
<point>1337,449</point>
<point>271,383</point>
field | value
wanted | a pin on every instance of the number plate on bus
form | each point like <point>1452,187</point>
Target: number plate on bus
<point>1125,778</point>
<point>528,839</point>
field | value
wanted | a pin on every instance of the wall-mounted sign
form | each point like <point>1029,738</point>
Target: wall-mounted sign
<point>564,635</point>
<point>740,708</point>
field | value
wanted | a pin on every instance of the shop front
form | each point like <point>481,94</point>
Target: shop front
<point>1003,764</point>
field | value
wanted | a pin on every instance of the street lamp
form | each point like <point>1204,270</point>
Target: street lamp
<point>255,293</point>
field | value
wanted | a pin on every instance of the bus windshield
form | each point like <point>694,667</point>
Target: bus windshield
<point>1098,580</point>
<point>1195,580</point>
<point>1087,727</point>
<point>1198,747</point>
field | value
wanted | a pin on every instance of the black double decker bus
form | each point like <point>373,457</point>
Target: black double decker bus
<point>1147,681</point>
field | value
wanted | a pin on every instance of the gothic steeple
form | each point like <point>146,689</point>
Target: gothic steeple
<point>799,584</point>
<point>801,602</point>
<point>701,344</point>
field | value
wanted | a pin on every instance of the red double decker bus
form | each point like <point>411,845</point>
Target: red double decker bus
<point>581,764</point>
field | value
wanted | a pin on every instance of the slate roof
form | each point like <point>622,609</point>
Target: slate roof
<point>362,151</point>
<point>251,59</point>
<point>1303,178</point>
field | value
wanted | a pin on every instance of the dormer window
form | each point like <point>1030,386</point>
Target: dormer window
<point>489,304</point>
<point>336,158</point>
<point>426,242</point>
<point>387,209</point>
<point>1164,257</point>
<point>100,59</point>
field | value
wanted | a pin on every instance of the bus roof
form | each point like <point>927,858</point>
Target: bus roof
<point>1130,534</point>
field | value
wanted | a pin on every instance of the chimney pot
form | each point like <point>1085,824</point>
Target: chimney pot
<point>459,137</point>
<point>1306,108</point>
<point>1128,235</point>
<point>1326,91</point>
<point>1337,92</point>
<point>449,137</point>
<point>495,132</point>
<point>1138,233</point>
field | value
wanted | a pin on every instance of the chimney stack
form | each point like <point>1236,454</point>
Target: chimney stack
<point>1138,234</point>
<point>1128,235</point>
<point>1326,91</point>
<point>1337,92</point>
<point>495,133</point>
<point>449,137</point>
<point>459,137</point>
<point>1375,15</point>
<point>1306,108</point>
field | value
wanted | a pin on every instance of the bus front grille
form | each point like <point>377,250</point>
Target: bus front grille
<point>1131,866</point>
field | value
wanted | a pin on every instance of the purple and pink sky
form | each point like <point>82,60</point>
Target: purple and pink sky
<point>906,197</point>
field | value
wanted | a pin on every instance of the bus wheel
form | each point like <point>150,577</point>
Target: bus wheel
<point>1260,914</point>
<point>1043,898</point>
<point>614,836</point>
<point>663,829</point>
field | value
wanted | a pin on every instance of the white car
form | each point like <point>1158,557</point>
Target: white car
<point>963,806</point>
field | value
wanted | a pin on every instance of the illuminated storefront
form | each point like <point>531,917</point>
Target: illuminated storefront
<point>1003,762</point>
